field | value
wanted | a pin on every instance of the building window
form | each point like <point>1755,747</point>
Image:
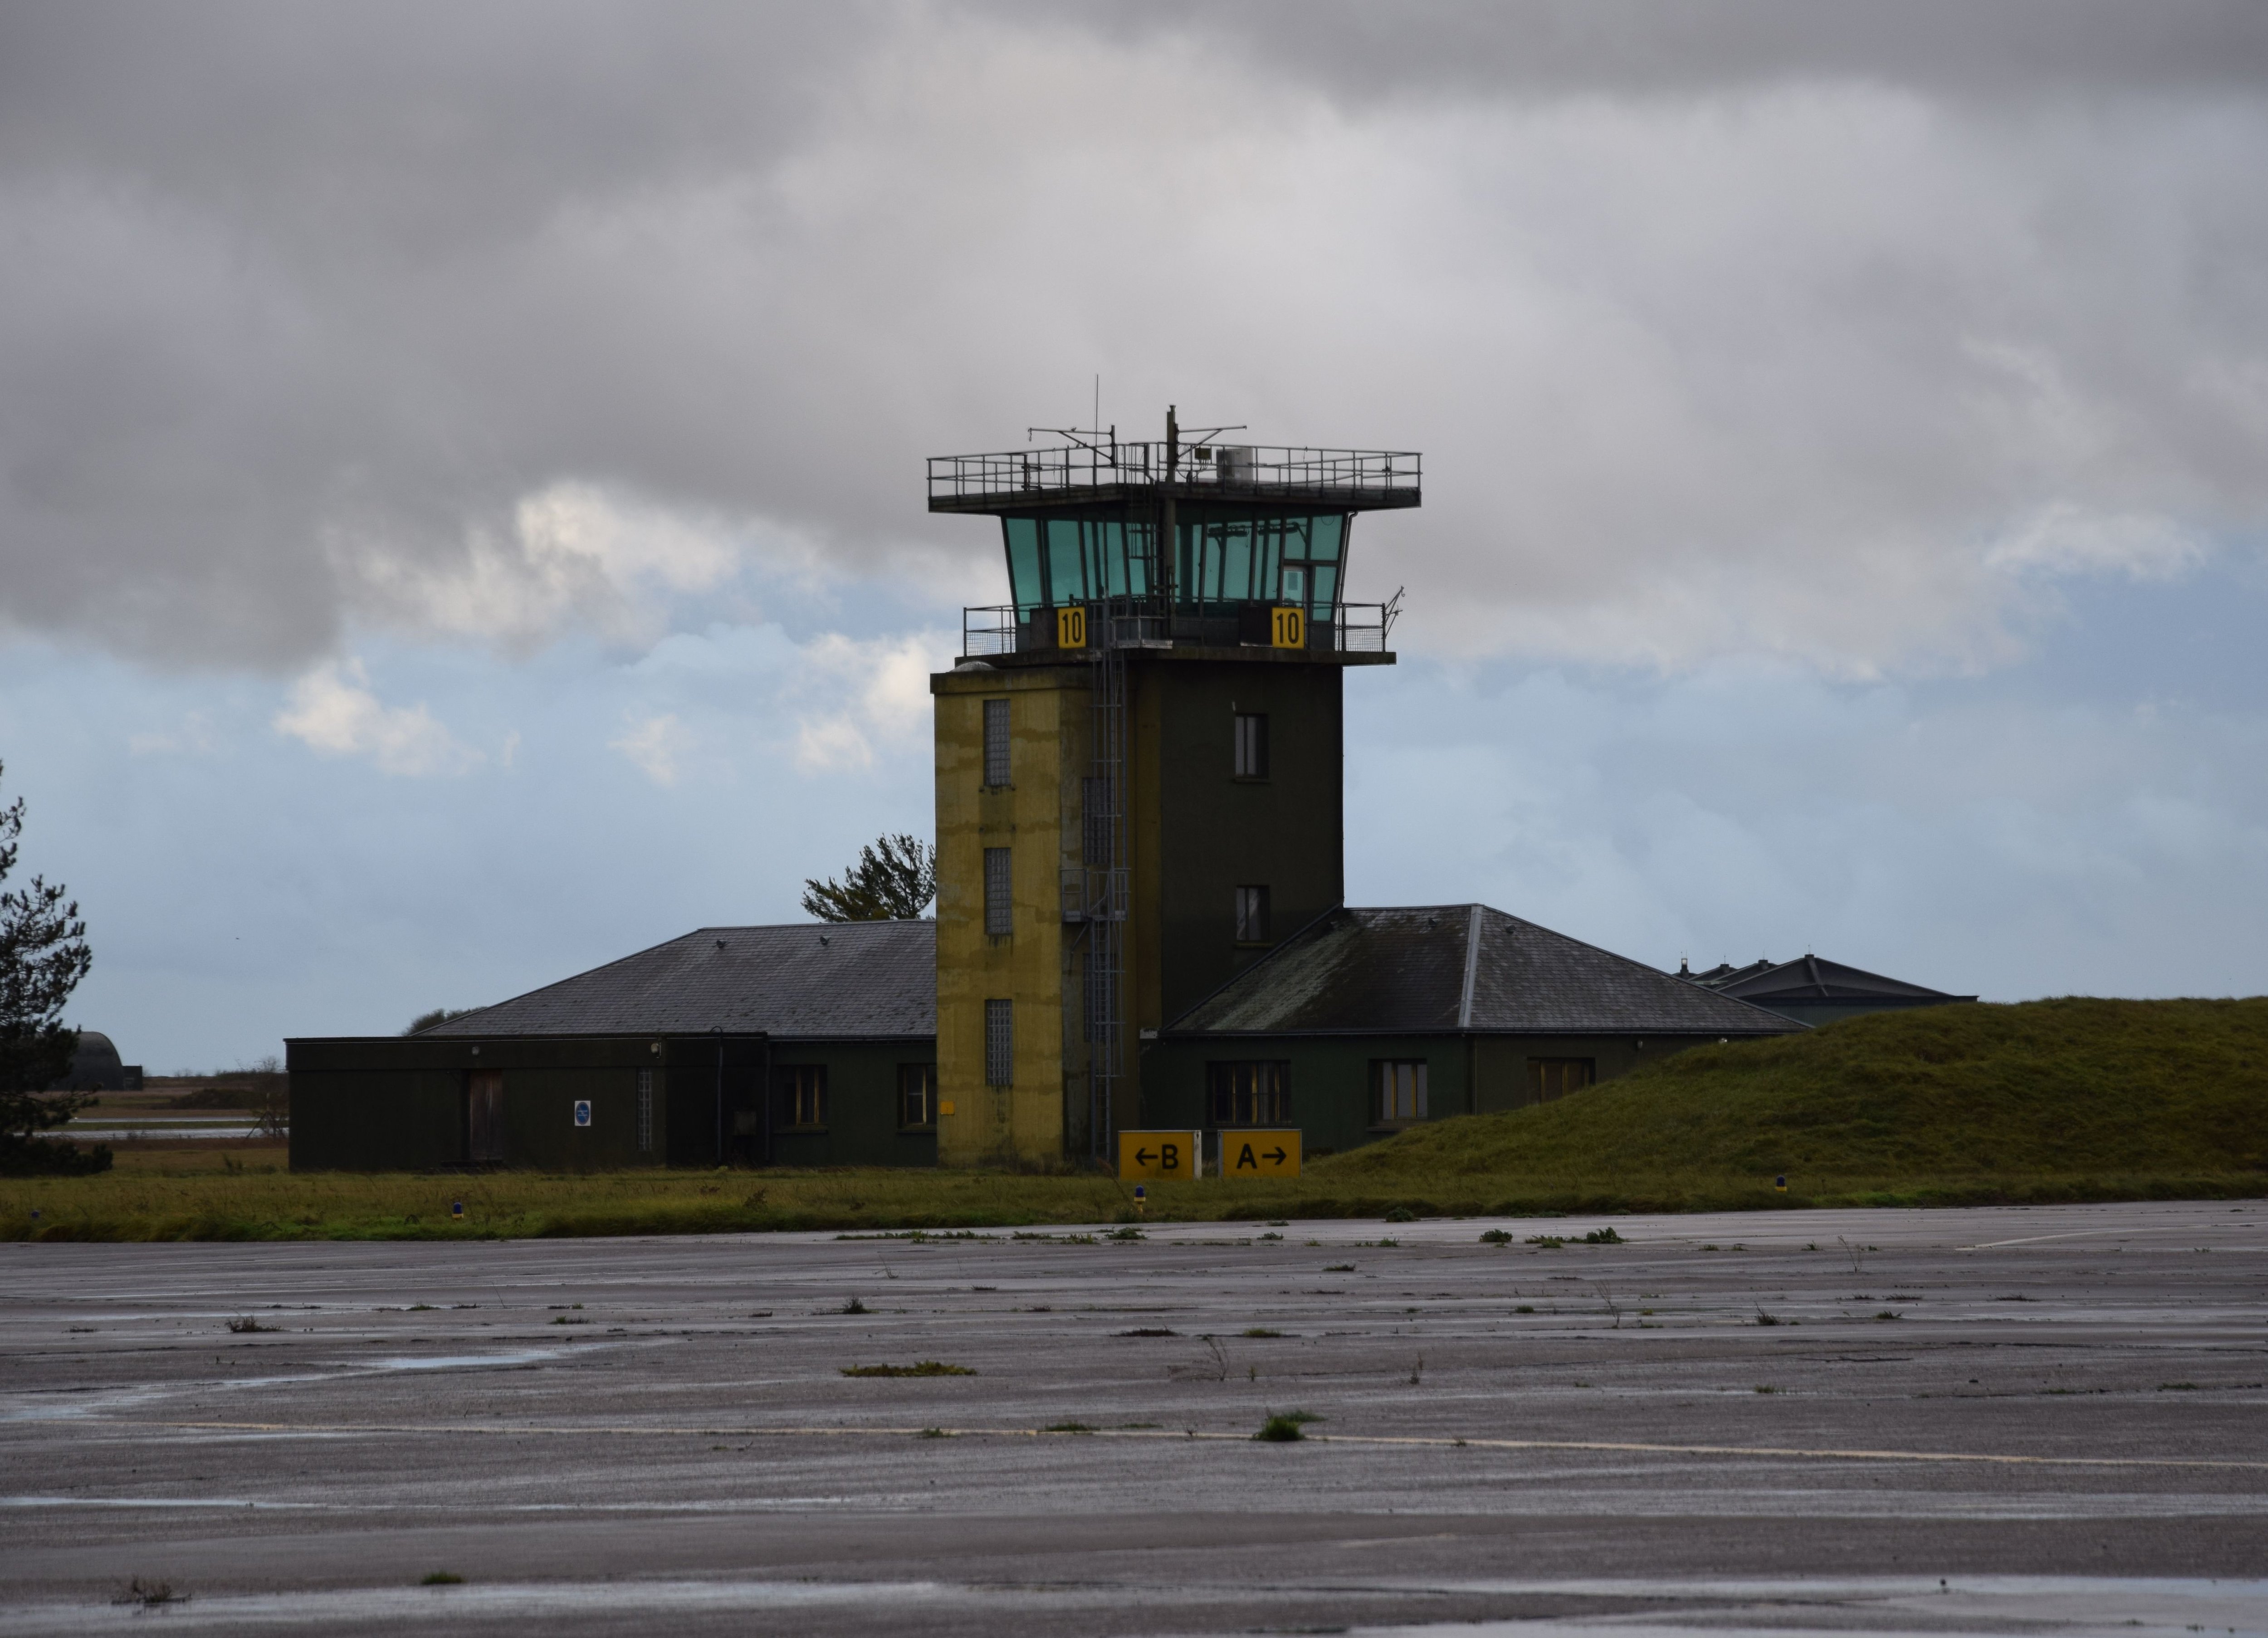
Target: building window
<point>1251,746</point>
<point>996,741</point>
<point>645,1111</point>
<point>999,1044</point>
<point>918,1097</point>
<point>1249,1095</point>
<point>803,1096</point>
<point>1397,1090</point>
<point>1556,1077</point>
<point>998,916</point>
<point>1252,915</point>
<point>1095,847</point>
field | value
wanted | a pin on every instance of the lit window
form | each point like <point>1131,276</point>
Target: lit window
<point>1249,1095</point>
<point>1251,747</point>
<point>1252,915</point>
<point>917,1097</point>
<point>1556,1077</point>
<point>803,1095</point>
<point>998,914</point>
<point>1397,1089</point>
<point>999,1044</point>
<point>996,741</point>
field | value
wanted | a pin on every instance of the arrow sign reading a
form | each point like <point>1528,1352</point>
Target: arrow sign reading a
<point>1260,1154</point>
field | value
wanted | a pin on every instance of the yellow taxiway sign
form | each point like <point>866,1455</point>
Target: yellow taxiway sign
<point>1165,1155</point>
<point>1260,1154</point>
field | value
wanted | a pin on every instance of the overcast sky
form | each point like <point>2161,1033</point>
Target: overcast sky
<point>460,501</point>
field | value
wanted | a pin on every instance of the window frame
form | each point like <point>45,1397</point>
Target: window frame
<point>918,1081</point>
<point>1263,1086</point>
<point>1248,759</point>
<point>999,893</point>
<point>1541,1088</point>
<point>998,744</point>
<point>1252,915</point>
<point>796,1084</point>
<point>999,1041</point>
<point>1384,1110</point>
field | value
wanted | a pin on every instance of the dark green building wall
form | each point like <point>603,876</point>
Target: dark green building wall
<point>397,1103</point>
<point>1331,1075</point>
<point>861,1107</point>
<point>1217,832</point>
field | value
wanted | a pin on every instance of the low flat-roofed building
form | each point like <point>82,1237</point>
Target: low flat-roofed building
<point>810,1045</point>
<point>1368,1021</point>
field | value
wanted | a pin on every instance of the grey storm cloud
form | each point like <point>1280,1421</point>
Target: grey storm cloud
<point>1843,333</point>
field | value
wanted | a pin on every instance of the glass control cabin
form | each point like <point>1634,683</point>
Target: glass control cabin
<point>1175,544</point>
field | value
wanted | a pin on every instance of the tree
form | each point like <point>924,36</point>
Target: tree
<point>895,880</point>
<point>43,955</point>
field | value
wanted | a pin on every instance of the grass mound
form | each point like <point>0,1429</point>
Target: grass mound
<point>2141,1097</point>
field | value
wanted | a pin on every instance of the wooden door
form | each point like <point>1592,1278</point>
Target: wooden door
<point>484,1116</point>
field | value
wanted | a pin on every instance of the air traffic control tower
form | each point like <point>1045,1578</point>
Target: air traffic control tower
<point>1139,759</point>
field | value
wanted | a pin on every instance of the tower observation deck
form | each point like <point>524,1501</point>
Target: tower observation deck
<point>1183,541</point>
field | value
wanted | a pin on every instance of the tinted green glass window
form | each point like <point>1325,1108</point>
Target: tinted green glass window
<point>1023,535</point>
<point>1066,563</point>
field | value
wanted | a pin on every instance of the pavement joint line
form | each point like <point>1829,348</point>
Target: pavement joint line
<point>1444,1441</point>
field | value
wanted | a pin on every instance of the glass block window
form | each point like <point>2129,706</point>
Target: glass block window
<point>999,1044</point>
<point>998,913</point>
<point>996,741</point>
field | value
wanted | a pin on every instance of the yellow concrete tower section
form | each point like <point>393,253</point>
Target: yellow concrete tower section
<point>1034,817</point>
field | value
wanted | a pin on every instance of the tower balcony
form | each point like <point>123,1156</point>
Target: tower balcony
<point>1103,472</point>
<point>1353,633</point>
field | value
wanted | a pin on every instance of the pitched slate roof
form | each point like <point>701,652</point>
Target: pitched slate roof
<point>809,981</point>
<point>1423,969</point>
<point>1812,979</point>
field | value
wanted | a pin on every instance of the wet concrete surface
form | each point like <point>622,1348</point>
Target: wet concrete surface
<point>2050,1419</point>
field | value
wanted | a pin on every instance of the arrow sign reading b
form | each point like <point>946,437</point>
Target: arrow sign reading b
<point>1142,1156</point>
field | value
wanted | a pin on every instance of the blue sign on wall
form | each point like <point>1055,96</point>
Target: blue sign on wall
<point>582,1112</point>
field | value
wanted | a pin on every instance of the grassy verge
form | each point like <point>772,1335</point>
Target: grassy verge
<point>2052,1101</point>
<point>184,1197</point>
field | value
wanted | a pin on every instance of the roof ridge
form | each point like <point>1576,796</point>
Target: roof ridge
<point>1472,968</point>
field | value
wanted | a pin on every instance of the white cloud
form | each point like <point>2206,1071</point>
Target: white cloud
<point>862,695</point>
<point>2067,539</point>
<point>574,554</point>
<point>1784,352</point>
<point>333,710</point>
<point>655,745</point>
